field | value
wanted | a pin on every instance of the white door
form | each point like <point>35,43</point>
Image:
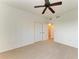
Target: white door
<point>38,32</point>
<point>45,31</point>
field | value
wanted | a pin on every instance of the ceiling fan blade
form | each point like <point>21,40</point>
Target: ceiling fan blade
<point>44,10</point>
<point>39,6</point>
<point>56,3</point>
<point>51,10</point>
<point>47,1</point>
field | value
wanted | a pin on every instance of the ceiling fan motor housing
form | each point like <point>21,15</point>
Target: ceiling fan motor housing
<point>47,5</point>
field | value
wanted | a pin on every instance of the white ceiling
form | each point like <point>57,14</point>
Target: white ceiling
<point>28,5</point>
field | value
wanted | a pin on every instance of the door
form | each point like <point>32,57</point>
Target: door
<point>38,32</point>
<point>45,31</point>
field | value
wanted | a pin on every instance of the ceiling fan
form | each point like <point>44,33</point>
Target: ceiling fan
<point>47,5</point>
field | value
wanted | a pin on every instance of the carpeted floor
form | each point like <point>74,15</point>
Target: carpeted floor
<point>42,50</point>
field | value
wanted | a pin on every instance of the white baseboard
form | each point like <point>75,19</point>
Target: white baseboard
<point>65,43</point>
<point>18,46</point>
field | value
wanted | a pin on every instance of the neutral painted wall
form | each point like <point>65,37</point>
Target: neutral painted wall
<point>66,29</point>
<point>16,27</point>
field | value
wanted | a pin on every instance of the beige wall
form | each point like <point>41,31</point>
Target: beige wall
<point>66,28</point>
<point>16,27</point>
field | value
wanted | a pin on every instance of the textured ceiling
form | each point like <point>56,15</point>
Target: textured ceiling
<point>28,5</point>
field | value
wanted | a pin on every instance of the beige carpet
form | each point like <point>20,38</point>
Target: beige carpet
<point>42,50</point>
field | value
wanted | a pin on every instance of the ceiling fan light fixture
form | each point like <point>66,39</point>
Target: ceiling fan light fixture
<point>47,5</point>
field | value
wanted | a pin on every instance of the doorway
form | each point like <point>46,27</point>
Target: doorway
<point>50,31</point>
